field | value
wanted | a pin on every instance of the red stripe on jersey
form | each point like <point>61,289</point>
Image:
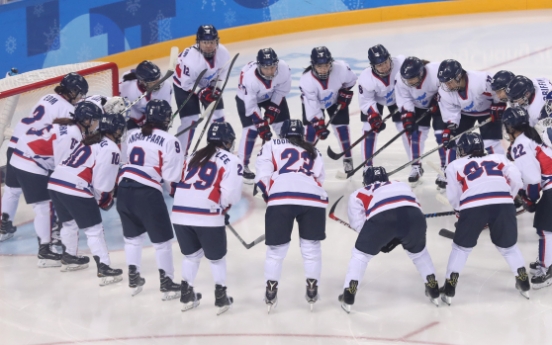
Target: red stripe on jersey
<point>214,196</point>
<point>274,162</point>
<point>43,147</point>
<point>545,161</point>
<point>463,181</point>
<point>178,70</point>
<point>160,166</point>
<point>86,175</point>
<point>487,94</point>
<point>365,199</point>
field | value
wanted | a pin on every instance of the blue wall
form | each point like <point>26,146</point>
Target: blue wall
<point>43,33</point>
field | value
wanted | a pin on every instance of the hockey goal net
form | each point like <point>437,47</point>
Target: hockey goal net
<point>19,93</point>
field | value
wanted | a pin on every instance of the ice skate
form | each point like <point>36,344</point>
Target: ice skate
<point>312,292</point>
<point>56,236</point>
<point>222,301</point>
<point>416,173</point>
<point>441,180</point>
<point>449,289</point>
<point>535,267</point>
<point>72,263</point>
<point>347,167</point>
<point>6,228</point>
<point>432,289</point>
<point>107,274</point>
<point>543,279</point>
<point>170,290</point>
<point>271,295</point>
<point>248,175</point>
<point>47,258</point>
<point>188,297</point>
<point>347,299</point>
<point>135,281</point>
<point>522,282</point>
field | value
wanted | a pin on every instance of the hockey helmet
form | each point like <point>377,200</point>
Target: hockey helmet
<point>117,105</point>
<point>75,84</point>
<point>548,105</point>
<point>207,33</point>
<point>158,112</point>
<point>113,124</point>
<point>470,144</point>
<point>374,174</point>
<point>292,128</point>
<point>515,118</point>
<point>520,90</point>
<point>86,112</point>
<point>411,68</point>
<point>147,72</point>
<point>267,58</point>
<point>449,70</point>
<point>221,133</point>
<point>321,56</point>
<point>378,55</point>
<point>501,80</point>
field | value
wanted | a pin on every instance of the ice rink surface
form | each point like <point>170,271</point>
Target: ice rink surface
<point>45,306</point>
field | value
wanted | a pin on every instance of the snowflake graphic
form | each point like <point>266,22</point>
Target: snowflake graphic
<point>52,37</point>
<point>230,17</point>
<point>84,53</point>
<point>98,29</point>
<point>11,45</point>
<point>353,4</point>
<point>132,6</point>
<point>213,4</point>
<point>160,28</point>
<point>38,10</point>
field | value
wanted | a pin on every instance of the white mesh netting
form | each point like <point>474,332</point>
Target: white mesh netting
<point>42,82</point>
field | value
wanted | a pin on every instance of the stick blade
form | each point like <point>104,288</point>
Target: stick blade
<point>446,233</point>
<point>333,155</point>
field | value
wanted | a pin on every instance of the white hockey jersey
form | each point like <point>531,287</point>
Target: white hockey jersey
<point>288,176</point>
<point>535,163</point>
<point>132,90</point>
<point>154,159</point>
<point>191,62</point>
<point>205,193</point>
<point>420,96</point>
<point>39,151</point>
<point>481,181</point>
<point>254,89</point>
<point>373,89</point>
<point>474,100</point>
<point>49,108</point>
<point>376,198</point>
<point>542,87</point>
<point>320,94</point>
<point>89,171</point>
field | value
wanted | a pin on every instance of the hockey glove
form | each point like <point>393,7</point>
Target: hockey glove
<point>509,153</point>
<point>226,219</point>
<point>344,98</point>
<point>320,128</point>
<point>407,119</point>
<point>527,204</point>
<point>376,122</point>
<point>518,201</point>
<point>106,201</point>
<point>263,129</point>
<point>391,245</point>
<point>497,109</point>
<point>173,189</point>
<point>433,105</point>
<point>448,133</point>
<point>206,95</point>
<point>271,113</point>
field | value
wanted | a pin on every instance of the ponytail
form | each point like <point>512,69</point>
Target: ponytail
<point>532,134</point>
<point>307,69</point>
<point>299,141</point>
<point>92,139</point>
<point>65,121</point>
<point>130,76</point>
<point>147,129</point>
<point>202,156</point>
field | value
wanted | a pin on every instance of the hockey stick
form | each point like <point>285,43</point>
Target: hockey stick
<point>438,147</point>
<point>336,156</point>
<point>192,92</point>
<point>216,102</point>
<point>201,118</point>
<point>245,244</point>
<point>329,122</point>
<point>450,234</point>
<point>352,172</point>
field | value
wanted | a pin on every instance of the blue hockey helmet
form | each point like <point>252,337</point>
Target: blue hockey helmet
<point>267,57</point>
<point>411,68</point>
<point>87,111</point>
<point>449,70</point>
<point>501,79</point>
<point>113,124</point>
<point>378,55</point>
<point>515,118</point>
<point>158,112</point>
<point>374,174</point>
<point>292,128</point>
<point>520,90</point>
<point>207,33</point>
<point>221,133</point>
<point>470,144</point>
<point>147,72</point>
<point>321,56</point>
<point>75,84</point>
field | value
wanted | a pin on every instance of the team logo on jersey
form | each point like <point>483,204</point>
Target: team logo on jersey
<point>469,107</point>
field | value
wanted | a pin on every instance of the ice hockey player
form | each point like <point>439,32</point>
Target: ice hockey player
<point>467,97</point>
<point>211,183</point>
<point>376,89</point>
<point>208,54</point>
<point>264,85</point>
<point>80,186</point>
<point>326,85</point>
<point>290,174</point>
<point>534,160</point>
<point>529,94</point>
<point>385,214</point>
<point>136,82</point>
<point>416,90</point>
<point>60,104</point>
<point>155,157</point>
<point>35,156</point>
<point>481,188</point>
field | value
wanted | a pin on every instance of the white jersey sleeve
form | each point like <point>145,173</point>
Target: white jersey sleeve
<point>535,163</point>
<point>282,81</point>
<point>356,212</point>
<point>106,167</point>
